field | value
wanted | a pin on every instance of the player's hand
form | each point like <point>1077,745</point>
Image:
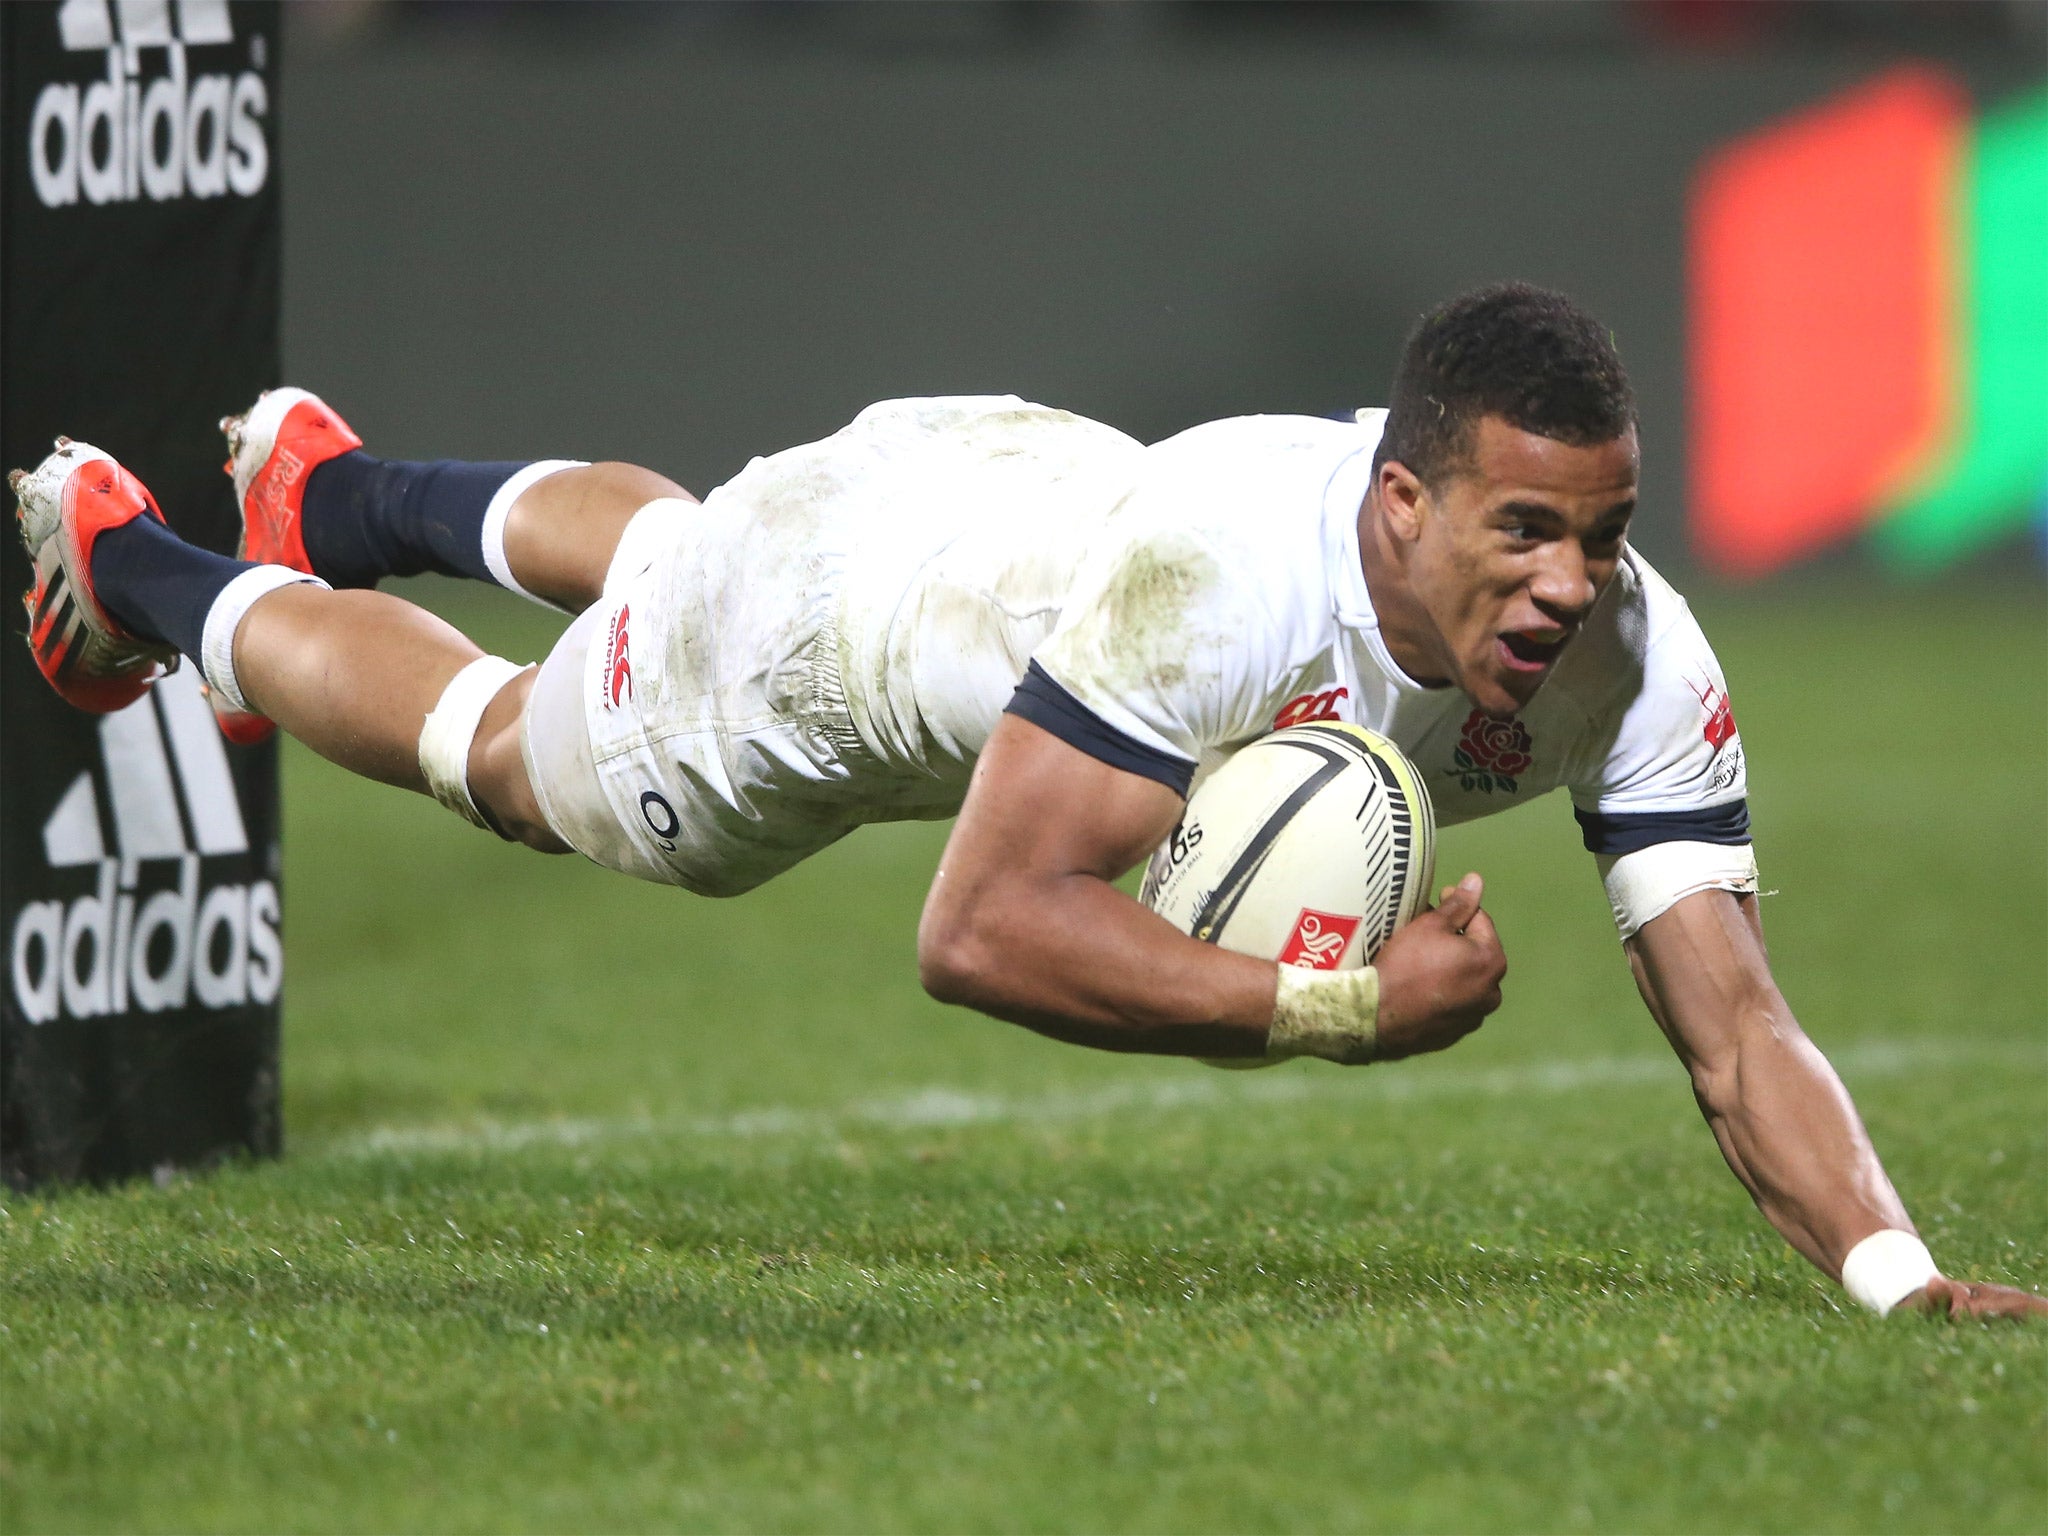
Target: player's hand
<point>1972,1298</point>
<point>1440,975</point>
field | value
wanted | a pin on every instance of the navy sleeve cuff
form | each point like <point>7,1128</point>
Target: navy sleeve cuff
<point>1051,708</point>
<point>1627,833</point>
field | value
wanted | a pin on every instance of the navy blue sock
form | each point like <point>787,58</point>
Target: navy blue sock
<point>365,518</point>
<point>156,585</point>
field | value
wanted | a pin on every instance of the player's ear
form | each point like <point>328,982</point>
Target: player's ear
<point>1402,497</point>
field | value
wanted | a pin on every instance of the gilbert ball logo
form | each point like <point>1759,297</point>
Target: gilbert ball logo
<point>1319,939</point>
<point>150,122</point>
<point>148,931</point>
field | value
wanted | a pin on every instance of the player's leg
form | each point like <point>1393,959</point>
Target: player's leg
<point>562,531</point>
<point>369,681</point>
<point>313,500</point>
<point>355,676</point>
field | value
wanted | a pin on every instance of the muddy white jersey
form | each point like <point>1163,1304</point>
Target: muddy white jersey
<point>833,635</point>
<point>1224,598</point>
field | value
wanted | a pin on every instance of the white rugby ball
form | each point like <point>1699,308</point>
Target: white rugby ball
<point>1309,847</point>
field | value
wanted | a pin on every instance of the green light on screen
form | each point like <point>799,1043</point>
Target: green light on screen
<point>1990,485</point>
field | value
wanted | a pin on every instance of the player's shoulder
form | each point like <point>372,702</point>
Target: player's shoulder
<point>1254,488</point>
<point>1214,570</point>
<point>1641,628</point>
<point>1240,448</point>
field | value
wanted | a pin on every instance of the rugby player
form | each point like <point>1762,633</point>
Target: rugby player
<point>986,607</point>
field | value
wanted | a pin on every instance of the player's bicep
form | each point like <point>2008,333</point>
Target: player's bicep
<point>1704,973</point>
<point>1042,806</point>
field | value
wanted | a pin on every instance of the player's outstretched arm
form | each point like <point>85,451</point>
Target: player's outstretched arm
<point>1024,923</point>
<point>1783,1119</point>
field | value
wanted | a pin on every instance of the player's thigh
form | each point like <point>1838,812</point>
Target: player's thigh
<point>564,531</point>
<point>674,801</point>
<point>498,776</point>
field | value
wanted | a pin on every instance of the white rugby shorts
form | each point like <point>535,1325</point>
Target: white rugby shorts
<point>693,727</point>
<point>709,762</point>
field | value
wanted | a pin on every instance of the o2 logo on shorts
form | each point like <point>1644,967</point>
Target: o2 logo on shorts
<point>661,819</point>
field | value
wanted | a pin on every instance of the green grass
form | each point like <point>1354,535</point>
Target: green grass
<point>611,1209</point>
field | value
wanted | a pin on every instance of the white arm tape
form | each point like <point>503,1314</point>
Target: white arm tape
<point>1887,1267</point>
<point>1650,881</point>
<point>1331,1014</point>
<point>446,736</point>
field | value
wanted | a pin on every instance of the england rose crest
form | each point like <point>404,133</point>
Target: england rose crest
<point>1492,754</point>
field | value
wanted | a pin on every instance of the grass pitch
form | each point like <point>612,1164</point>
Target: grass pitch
<point>611,1209</point>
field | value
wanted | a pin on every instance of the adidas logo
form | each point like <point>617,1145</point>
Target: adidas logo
<point>149,935</point>
<point>120,138</point>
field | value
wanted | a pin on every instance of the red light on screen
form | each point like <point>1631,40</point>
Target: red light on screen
<point>1821,294</point>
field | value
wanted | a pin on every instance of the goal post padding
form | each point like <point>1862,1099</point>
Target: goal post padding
<point>140,875</point>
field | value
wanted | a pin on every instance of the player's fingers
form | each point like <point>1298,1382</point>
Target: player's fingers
<point>1997,1301</point>
<point>1461,902</point>
<point>1481,931</point>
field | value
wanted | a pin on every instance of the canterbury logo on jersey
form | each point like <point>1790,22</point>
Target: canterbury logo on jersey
<point>1310,706</point>
<point>164,132</point>
<point>151,934</point>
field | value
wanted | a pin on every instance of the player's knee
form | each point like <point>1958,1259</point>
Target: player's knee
<point>499,782</point>
<point>470,757</point>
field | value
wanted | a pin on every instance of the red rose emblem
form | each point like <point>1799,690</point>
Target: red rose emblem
<point>1492,754</point>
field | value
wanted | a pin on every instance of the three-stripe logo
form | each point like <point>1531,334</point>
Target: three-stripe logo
<point>151,934</point>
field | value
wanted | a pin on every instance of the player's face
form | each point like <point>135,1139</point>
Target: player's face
<point>1510,555</point>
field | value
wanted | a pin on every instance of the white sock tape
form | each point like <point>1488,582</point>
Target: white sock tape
<point>216,656</point>
<point>500,508</point>
<point>448,732</point>
<point>1887,1267</point>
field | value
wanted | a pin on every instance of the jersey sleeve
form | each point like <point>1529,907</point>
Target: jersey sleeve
<point>1158,655</point>
<point>1667,763</point>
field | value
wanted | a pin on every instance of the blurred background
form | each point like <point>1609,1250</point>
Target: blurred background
<point>688,234</point>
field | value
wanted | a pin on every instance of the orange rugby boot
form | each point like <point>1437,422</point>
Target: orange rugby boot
<point>63,505</point>
<point>273,447</point>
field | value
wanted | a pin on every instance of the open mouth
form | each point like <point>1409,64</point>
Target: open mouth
<point>1528,650</point>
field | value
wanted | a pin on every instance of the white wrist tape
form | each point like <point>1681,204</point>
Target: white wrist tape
<point>1651,881</point>
<point>1331,1014</point>
<point>216,656</point>
<point>448,732</point>
<point>1887,1267</point>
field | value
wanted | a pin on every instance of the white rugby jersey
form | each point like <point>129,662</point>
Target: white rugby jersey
<point>1163,606</point>
<point>1224,597</point>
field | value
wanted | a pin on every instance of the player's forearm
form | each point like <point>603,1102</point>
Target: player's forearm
<point>1780,1114</point>
<point>1789,1131</point>
<point>1075,958</point>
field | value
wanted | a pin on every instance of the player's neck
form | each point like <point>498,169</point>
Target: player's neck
<point>1405,626</point>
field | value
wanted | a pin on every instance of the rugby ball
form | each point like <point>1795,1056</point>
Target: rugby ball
<point>1309,847</point>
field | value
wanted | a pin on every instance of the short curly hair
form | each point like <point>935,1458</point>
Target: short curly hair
<point>1529,356</point>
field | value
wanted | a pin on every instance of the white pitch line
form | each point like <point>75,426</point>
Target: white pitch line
<point>938,1107</point>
